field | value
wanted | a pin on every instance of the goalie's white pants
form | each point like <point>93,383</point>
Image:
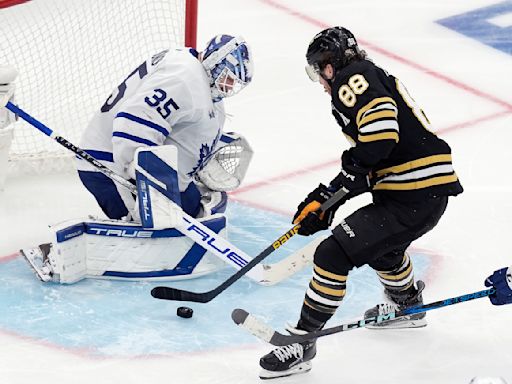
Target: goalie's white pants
<point>113,249</point>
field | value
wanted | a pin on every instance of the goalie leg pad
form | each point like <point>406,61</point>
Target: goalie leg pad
<point>112,249</point>
<point>159,198</point>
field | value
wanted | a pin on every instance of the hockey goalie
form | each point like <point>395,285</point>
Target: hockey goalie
<point>161,129</point>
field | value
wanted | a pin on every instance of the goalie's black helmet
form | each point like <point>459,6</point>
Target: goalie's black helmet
<point>335,46</point>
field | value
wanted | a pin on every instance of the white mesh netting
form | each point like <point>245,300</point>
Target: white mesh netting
<point>70,55</point>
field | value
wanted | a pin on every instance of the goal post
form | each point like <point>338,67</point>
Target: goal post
<point>191,23</point>
<point>70,54</point>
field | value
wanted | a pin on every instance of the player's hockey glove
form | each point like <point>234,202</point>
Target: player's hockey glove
<point>353,176</point>
<point>501,280</point>
<point>308,215</point>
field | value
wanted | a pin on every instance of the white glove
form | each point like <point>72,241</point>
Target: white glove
<point>215,177</point>
<point>7,76</point>
<point>228,165</point>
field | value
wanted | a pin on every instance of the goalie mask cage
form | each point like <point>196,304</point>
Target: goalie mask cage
<point>71,54</point>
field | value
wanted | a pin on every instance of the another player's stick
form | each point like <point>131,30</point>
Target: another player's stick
<point>266,333</point>
<point>169,293</point>
<point>192,228</point>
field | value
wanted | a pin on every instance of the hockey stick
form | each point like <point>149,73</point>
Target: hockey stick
<point>71,147</point>
<point>192,228</point>
<point>281,270</point>
<point>266,333</point>
<point>169,293</point>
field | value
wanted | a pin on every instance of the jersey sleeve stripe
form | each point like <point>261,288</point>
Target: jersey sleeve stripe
<point>379,108</point>
<point>142,121</point>
<point>372,104</point>
<point>137,139</point>
<point>377,115</point>
<point>382,125</point>
<point>418,163</point>
<point>378,136</point>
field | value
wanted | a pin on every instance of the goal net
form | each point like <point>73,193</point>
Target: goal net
<point>70,55</point>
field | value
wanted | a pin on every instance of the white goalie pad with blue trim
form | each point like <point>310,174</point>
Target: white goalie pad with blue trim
<point>114,249</point>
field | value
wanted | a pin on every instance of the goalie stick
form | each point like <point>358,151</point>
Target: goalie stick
<point>274,273</point>
<point>266,333</point>
<point>192,228</point>
<point>169,293</point>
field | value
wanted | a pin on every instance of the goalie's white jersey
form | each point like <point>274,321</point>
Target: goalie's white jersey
<point>166,100</point>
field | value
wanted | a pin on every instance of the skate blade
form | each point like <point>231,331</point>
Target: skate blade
<point>32,255</point>
<point>300,368</point>
<point>404,324</point>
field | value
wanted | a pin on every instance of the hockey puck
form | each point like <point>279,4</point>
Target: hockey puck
<point>185,312</point>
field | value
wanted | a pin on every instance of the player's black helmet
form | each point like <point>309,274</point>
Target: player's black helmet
<point>335,46</point>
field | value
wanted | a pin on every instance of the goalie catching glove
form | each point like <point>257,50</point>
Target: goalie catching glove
<point>228,165</point>
<point>352,177</point>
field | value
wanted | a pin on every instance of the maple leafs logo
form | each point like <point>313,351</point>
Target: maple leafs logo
<point>205,153</point>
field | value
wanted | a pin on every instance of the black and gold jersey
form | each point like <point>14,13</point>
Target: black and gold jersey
<point>390,134</point>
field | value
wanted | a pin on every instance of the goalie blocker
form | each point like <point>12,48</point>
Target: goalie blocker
<point>148,249</point>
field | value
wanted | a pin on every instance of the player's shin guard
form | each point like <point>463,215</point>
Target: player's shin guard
<point>325,293</point>
<point>399,278</point>
<point>400,290</point>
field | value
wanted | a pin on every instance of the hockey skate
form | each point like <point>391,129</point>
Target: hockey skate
<point>290,359</point>
<point>411,298</point>
<point>38,260</point>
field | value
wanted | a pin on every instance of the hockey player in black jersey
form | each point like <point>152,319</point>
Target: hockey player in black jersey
<point>394,156</point>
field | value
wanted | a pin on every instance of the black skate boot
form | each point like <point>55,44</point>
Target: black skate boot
<point>290,359</point>
<point>409,298</point>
